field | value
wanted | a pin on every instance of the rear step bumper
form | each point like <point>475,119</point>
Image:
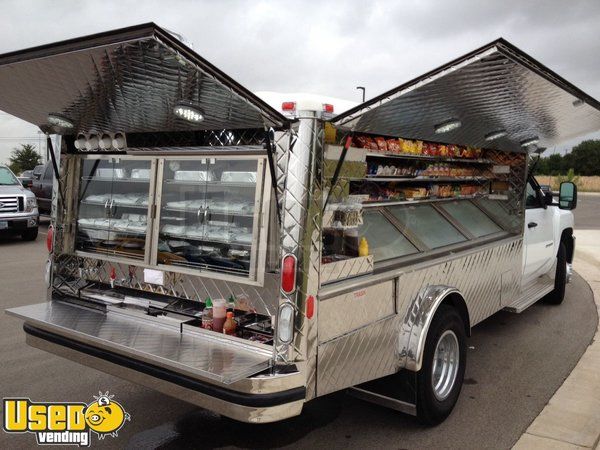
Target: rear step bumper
<point>245,407</point>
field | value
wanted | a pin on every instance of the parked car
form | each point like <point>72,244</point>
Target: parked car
<point>18,207</point>
<point>26,178</point>
<point>42,187</point>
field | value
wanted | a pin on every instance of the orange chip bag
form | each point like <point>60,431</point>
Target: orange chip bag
<point>381,144</point>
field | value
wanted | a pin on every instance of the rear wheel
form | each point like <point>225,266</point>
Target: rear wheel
<point>444,361</point>
<point>557,296</point>
<point>30,235</point>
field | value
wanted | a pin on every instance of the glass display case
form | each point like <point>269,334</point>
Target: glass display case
<point>208,213</point>
<point>182,213</point>
<point>114,202</point>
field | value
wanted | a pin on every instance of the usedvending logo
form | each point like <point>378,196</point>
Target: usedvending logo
<point>65,423</point>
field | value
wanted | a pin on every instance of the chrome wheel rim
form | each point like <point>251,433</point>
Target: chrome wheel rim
<point>446,359</point>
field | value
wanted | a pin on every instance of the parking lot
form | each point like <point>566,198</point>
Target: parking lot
<point>515,363</point>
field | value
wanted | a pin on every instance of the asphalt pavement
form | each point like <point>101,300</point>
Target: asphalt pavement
<point>515,364</point>
<point>587,213</point>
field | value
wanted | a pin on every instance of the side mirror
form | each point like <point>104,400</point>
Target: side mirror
<point>567,197</point>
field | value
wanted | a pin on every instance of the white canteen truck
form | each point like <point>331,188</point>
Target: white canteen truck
<point>336,251</point>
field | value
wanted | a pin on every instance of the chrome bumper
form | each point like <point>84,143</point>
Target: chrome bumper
<point>31,219</point>
<point>245,407</point>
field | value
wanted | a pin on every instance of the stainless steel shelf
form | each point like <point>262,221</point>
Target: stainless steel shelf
<point>210,183</point>
<point>429,158</point>
<point>420,200</point>
<point>404,179</point>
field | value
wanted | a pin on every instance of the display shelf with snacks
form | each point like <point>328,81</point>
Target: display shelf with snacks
<point>428,158</point>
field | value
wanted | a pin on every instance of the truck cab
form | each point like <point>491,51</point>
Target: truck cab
<point>18,207</point>
<point>548,239</point>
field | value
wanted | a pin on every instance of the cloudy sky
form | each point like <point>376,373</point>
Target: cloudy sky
<point>323,47</point>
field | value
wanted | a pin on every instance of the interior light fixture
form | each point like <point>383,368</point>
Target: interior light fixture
<point>449,125</point>
<point>188,112</point>
<point>59,121</point>
<point>495,135</point>
<point>578,102</point>
<point>528,142</point>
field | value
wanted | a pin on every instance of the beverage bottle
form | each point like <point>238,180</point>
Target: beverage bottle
<point>207,315</point>
<point>219,315</point>
<point>229,325</point>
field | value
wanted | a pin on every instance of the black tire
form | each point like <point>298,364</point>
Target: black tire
<point>557,296</point>
<point>430,409</point>
<point>30,235</point>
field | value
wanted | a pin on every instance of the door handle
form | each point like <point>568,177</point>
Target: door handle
<point>531,225</point>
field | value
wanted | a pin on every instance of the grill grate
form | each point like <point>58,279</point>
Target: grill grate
<point>10,204</point>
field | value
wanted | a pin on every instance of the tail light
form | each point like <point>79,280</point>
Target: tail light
<point>327,108</point>
<point>50,239</point>
<point>285,323</point>
<point>288,274</point>
<point>310,307</point>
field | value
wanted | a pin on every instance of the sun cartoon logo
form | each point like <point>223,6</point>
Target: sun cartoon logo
<point>105,416</point>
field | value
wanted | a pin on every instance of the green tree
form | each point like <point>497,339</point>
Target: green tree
<point>24,158</point>
<point>569,177</point>
<point>585,158</point>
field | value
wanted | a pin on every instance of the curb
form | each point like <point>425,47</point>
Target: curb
<point>571,419</point>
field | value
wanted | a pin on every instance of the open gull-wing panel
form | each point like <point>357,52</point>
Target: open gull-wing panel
<point>125,80</point>
<point>497,87</point>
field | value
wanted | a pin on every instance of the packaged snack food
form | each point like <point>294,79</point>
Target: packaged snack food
<point>393,145</point>
<point>381,144</point>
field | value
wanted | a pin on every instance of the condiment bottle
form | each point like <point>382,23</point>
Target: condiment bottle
<point>219,315</point>
<point>363,247</point>
<point>229,325</point>
<point>231,303</point>
<point>207,315</point>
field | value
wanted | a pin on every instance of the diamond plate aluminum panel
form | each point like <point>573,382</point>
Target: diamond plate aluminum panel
<point>363,355</point>
<point>203,356</point>
<point>71,270</point>
<point>346,268</point>
<point>128,80</point>
<point>497,87</point>
<point>348,312</point>
<point>383,347</point>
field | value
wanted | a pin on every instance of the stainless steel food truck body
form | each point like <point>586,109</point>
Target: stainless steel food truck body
<point>355,320</point>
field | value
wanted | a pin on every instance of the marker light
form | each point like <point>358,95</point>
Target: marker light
<point>327,108</point>
<point>495,135</point>
<point>449,125</point>
<point>118,141</point>
<point>288,274</point>
<point>80,142</point>
<point>60,121</point>
<point>188,112</point>
<point>105,142</point>
<point>288,106</point>
<point>50,239</point>
<point>529,142</point>
<point>285,323</point>
<point>91,143</point>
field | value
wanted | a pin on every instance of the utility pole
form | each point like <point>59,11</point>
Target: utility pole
<point>363,89</point>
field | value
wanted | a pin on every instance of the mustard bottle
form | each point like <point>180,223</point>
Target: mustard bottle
<point>363,247</point>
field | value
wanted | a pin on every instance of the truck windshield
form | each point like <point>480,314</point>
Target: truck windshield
<point>7,178</point>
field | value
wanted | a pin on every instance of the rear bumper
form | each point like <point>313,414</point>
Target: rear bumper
<point>245,407</point>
